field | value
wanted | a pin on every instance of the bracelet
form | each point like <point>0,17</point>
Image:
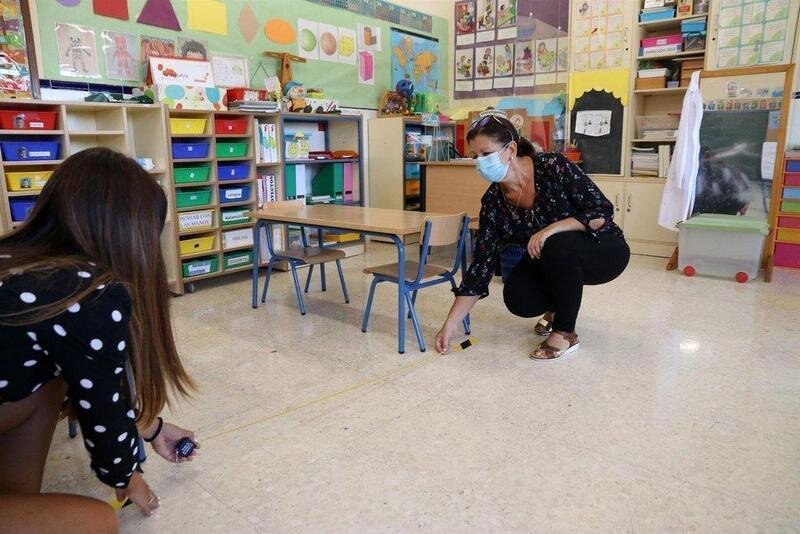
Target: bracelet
<point>157,432</point>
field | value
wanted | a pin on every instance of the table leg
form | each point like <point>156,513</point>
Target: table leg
<point>256,259</point>
<point>401,294</point>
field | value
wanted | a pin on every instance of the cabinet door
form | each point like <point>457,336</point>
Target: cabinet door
<point>642,203</point>
<point>615,192</point>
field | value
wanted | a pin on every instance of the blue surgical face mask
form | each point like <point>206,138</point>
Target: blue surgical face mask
<point>491,167</point>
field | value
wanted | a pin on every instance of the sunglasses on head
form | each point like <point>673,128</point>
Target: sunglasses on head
<point>483,121</point>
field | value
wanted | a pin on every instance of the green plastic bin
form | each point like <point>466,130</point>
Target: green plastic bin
<point>231,149</point>
<point>189,175</point>
<point>235,260</point>
<point>234,216</point>
<point>790,206</point>
<point>200,266</point>
<point>192,198</point>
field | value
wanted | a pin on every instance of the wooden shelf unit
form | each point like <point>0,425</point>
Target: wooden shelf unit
<point>136,130</point>
<point>669,24</point>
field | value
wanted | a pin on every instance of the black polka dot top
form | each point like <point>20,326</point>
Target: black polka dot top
<point>86,345</point>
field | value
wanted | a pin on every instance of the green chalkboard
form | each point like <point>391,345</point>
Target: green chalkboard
<point>340,81</point>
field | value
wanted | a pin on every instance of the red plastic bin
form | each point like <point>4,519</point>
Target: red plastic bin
<point>230,126</point>
<point>789,222</point>
<point>787,255</point>
<point>23,119</point>
<point>792,178</point>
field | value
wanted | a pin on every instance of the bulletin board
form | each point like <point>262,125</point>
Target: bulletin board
<point>230,28</point>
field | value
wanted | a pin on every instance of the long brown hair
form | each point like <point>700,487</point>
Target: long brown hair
<point>100,208</point>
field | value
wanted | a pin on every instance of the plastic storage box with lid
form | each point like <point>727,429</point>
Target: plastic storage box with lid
<point>200,266</point>
<point>11,119</point>
<point>234,194</point>
<point>188,175</point>
<point>27,180</point>
<point>187,126</point>
<point>233,171</point>
<point>21,208</point>
<point>721,245</point>
<point>189,149</point>
<point>29,150</point>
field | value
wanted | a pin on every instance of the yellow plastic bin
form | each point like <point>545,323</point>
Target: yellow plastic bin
<point>185,126</point>
<point>197,244</point>
<point>27,180</point>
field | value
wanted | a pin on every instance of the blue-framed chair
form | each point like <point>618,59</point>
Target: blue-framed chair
<point>308,255</point>
<point>435,231</point>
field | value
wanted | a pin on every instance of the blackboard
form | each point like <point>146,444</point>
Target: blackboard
<point>600,155</point>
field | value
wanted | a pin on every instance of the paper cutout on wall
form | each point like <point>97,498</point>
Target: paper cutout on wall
<point>369,38</point>
<point>366,67</point>
<point>615,81</point>
<point>76,51</point>
<point>279,31</point>
<point>208,16</point>
<point>593,123</point>
<point>159,13</point>
<point>69,3</point>
<point>193,49</point>
<point>308,39</point>
<point>154,46</point>
<point>347,46</point>
<point>122,56</point>
<point>117,9</point>
<point>328,42</point>
<point>248,24</point>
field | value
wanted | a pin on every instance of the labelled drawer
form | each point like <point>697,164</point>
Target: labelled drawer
<point>200,266</point>
<point>793,165</point>
<point>231,149</point>
<point>27,180</point>
<point>788,222</point>
<point>193,245</point>
<point>234,194</point>
<point>29,150</point>
<point>787,255</point>
<point>186,150</point>
<point>192,197</point>
<point>196,220</point>
<point>792,178</point>
<point>237,238</point>
<point>233,171</point>
<point>790,206</point>
<point>230,126</point>
<point>789,234</point>
<point>181,125</point>
<point>21,208</point>
<point>412,187</point>
<point>188,175</point>
<point>28,120</point>
<point>234,216</point>
<point>792,193</point>
<point>235,260</point>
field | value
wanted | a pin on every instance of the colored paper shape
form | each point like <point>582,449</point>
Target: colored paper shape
<point>369,38</point>
<point>248,23</point>
<point>208,16</point>
<point>366,67</point>
<point>308,39</point>
<point>117,9</point>
<point>159,13</point>
<point>347,46</point>
<point>615,81</point>
<point>69,3</point>
<point>328,42</point>
<point>279,31</point>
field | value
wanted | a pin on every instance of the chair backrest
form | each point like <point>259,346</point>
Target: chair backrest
<point>444,229</point>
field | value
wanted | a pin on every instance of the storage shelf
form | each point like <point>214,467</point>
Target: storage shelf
<point>674,22</point>
<point>24,193</point>
<point>240,247</point>
<point>234,204</point>
<point>191,160</point>
<point>189,279</point>
<point>320,161</point>
<point>195,231</point>
<point>224,227</point>
<point>240,158</point>
<point>195,208</point>
<point>318,117</point>
<point>664,140</point>
<point>33,162</point>
<point>663,91</point>
<point>96,133</point>
<point>231,182</point>
<point>200,254</point>
<point>699,53</point>
<point>31,132</point>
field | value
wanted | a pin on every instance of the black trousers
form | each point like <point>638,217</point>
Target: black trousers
<point>555,281</point>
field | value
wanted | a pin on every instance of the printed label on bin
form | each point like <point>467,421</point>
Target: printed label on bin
<point>191,174</point>
<point>189,148</point>
<point>39,153</point>
<point>36,124</point>
<point>231,216</point>
<point>240,260</point>
<point>234,193</point>
<point>231,149</point>
<point>201,268</point>
<point>195,220</point>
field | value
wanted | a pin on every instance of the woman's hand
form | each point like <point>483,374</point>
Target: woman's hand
<point>445,336</point>
<point>138,492</point>
<point>536,243</point>
<point>168,439</point>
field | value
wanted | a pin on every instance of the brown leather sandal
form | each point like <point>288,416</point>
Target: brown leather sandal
<point>545,325</point>
<point>551,352</point>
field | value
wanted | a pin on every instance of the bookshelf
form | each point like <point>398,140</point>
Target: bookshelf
<point>134,129</point>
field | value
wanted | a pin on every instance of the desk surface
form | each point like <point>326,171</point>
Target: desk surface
<point>375,220</point>
<point>451,163</point>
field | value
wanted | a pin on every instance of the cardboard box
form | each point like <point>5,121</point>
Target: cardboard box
<point>651,83</point>
<point>695,64</point>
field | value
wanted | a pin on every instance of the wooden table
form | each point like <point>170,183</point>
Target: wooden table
<point>392,224</point>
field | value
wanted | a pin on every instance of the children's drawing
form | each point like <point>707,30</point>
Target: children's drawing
<point>485,67</point>
<point>506,13</point>
<point>193,49</point>
<point>76,51</point>
<point>486,15</point>
<point>524,60</point>
<point>121,55</point>
<point>504,60</point>
<point>546,55</point>
<point>465,17</point>
<point>464,65</point>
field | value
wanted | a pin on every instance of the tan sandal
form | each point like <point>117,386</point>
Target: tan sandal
<point>545,326</point>
<point>551,352</point>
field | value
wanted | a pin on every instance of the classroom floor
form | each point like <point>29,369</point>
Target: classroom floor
<point>680,412</point>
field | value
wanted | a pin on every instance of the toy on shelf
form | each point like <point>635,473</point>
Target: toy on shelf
<point>286,65</point>
<point>299,99</point>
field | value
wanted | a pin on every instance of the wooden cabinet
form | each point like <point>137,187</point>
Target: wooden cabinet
<point>614,190</point>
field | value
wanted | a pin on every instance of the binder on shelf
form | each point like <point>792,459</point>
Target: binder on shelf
<point>329,181</point>
<point>348,181</point>
<point>663,160</point>
<point>295,182</point>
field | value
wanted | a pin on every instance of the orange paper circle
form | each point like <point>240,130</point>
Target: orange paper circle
<point>279,31</point>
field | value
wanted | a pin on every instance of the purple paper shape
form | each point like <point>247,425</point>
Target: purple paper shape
<point>159,13</point>
<point>69,3</point>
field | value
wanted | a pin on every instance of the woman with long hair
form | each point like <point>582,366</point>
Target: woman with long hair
<point>83,294</point>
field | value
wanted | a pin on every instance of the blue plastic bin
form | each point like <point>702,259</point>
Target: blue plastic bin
<point>233,171</point>
<point>21,207</point>
<point>22,150</point>
<point>186,150</point>
<point>793,165</point>
<point>239,193</point>
<point>510,256</point>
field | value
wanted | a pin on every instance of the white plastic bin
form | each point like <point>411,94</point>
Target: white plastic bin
<point>721,245</point>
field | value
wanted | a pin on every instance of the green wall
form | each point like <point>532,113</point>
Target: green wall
<point>339,81</point>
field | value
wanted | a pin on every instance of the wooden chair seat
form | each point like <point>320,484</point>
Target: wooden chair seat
<point>313,255</point>
<point>390,270</point>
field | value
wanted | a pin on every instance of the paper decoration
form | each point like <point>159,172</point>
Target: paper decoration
<point>192,49</point>
<point>186,97</point>
<point>14,63</point>
<point>230,70</point>
<point>77,53</point>
<point>597,34</point>
<point>247,23</point>
<point>159,13</point>
<point>307,39</point>
<point>484,68</point>
<point>506,20</point>
<point>616,82</point>
<point>465,69</point>
<point>121,55</point>
<point>504,66</point>
<point>328,43</point>
<point>185,72</point>
<point>369,37</point>
<point>117,9</point>
<point>593,123</point>
<point>366,67</point>
<point>208,16</point>
<point>752,34</point>
<point>347,46</point>
<point>155,46</point>
<point>69,3</point>
<point>465,23</point>
<point>279,31</point>
<point>486,14</point>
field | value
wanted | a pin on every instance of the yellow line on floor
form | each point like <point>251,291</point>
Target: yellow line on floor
<point>397,372</point>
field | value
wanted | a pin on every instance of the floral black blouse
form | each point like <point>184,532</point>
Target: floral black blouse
<point>563,190</point>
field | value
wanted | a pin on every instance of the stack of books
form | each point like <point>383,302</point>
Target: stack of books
<point>255,107</point>
<point>267,142</point>
<point>694,33</point>
<point>652,78</point>
<point>644,161</point>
